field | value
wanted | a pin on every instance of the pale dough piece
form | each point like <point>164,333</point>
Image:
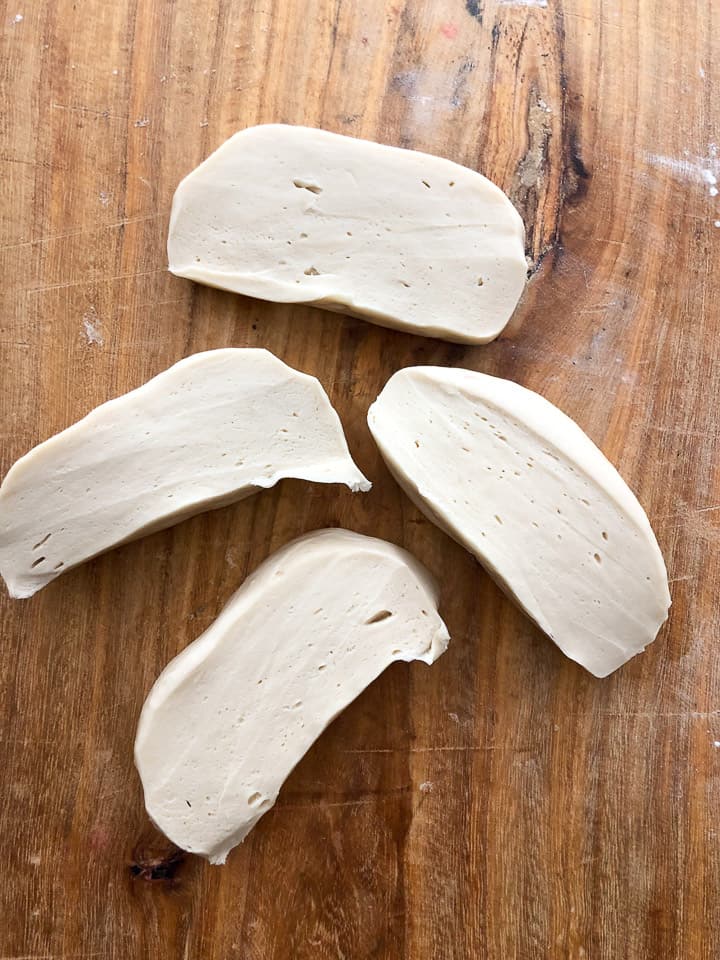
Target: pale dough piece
<point>229,718</point>
<point>402,238</point>
<point>212,429</point>
<point>518,483</point>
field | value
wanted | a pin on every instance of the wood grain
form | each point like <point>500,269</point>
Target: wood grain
<point>503,804</point>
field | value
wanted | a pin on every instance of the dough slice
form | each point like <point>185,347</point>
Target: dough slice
<point>212,429</point>
<point>229,718</point>
<point>402,238</point>
<point>520,485</point>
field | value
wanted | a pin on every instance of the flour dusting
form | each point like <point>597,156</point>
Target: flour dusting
<point>703,170</point>
<point>18,18</point>
<point>91,328</point>
<point>427,787</point>
<point>142,122</point>
<point>522,3</point>
<point>105,198</point>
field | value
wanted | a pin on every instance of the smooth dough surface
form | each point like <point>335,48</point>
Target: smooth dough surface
<point>402,238</point>
<point>212,429</point>
<point>518,483</point>
<point>229,718</point>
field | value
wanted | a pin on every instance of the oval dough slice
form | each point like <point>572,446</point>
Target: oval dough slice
<point>518,483</point>
<point>212,429</point>
<point>229,718</point>
<point>402,238</point>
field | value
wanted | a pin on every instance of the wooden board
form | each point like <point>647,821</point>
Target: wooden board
<point>503,804</point>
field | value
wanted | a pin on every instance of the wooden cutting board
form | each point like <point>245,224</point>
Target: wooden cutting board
<point>502,804</point>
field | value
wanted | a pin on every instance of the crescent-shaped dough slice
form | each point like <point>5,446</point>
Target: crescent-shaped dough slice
<point>212,429</point>
<point>401,238</point>
<point>229,718</point>
<point>518,483</point>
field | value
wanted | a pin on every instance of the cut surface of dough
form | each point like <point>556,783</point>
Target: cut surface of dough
<point>229,718</point>
<point>517,482</point>
<point>401,238</point>
<point>210,430</point>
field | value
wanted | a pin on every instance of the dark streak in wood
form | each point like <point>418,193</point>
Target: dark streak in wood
<point>156,869</point>
<point>475,9</point>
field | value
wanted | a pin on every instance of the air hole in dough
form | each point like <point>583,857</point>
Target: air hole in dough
<point>379,617</point>
<point>312,187</point>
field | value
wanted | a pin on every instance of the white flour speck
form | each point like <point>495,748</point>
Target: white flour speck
<point>142,122</point>
<point>427,786</point>
<point>522,3</point>
<point>716,743</point>
<point>701,73</point>
<point>683,169</point>
<point>91,326</point>
<point>105,198</point>
<point>18,18</point>
<point>694,169</point>
<point>115,72</point>
<point>454,717</point>
<point>203,123</point>
<point>35,859</point>
<point>717,223</point>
